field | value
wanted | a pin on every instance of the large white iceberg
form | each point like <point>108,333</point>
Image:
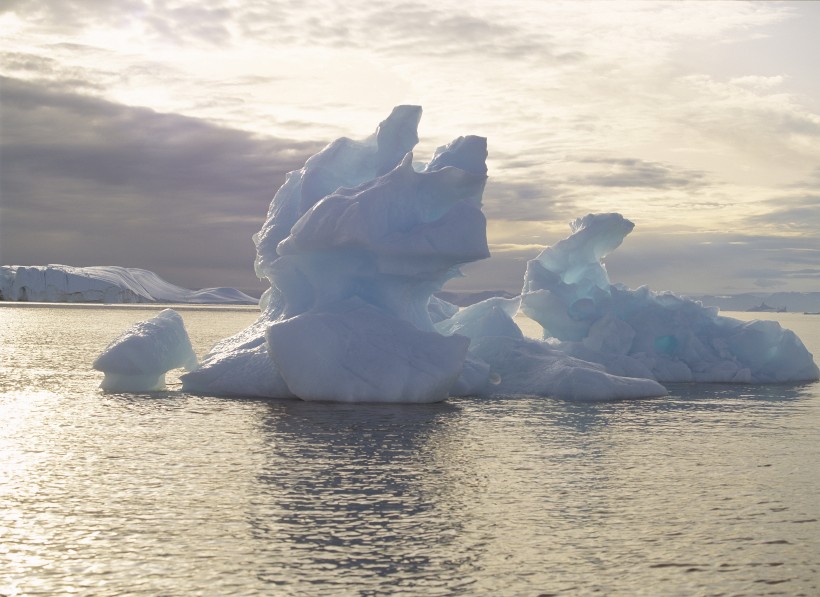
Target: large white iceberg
<point>138,359</point>
<point>354,245</point>
<point>642,333</point>
<point>104,284</point>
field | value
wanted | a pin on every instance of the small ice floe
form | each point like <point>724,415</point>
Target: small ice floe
<point>139,358</point>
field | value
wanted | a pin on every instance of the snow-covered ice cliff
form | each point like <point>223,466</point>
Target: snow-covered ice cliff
<point>104,284</point>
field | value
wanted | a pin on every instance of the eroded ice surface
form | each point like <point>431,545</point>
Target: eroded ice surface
<point>104,284</point>
<point>138,359</point>
<point>644,333</point>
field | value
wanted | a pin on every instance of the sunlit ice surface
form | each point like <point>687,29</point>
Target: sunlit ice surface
<point>711,489</point>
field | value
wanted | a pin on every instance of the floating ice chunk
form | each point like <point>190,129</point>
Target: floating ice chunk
<point>357,353</point>
<point>138,359</point>
<point>673,338</point>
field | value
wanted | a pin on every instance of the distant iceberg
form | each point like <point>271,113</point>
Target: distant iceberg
<point>793,302</point>
<point>104,284</point>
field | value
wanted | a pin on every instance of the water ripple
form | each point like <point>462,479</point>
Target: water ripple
<point>709,491</point>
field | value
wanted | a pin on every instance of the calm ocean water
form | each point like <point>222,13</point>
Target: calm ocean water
<point>712,490</point>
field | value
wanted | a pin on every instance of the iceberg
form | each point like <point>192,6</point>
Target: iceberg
<point>104,284</point>
<point>354,245</point>
<point>139,358</point>
<point>642,333</point>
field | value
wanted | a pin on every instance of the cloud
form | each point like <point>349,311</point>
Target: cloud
<point>778,277</point>
<point>585,110</point>
<point>758,121</point>
<point>448,31</point>
<point>86,180</point>
<point>394,28</point>
<point>763,283</point>
<point>156,21</point>
<point>757,82</point>
<point>528,200</point>
<point>636,173</point>
<point>72,15</point>
<point>504,270</point>
<point>795,214</point>
<point>705,262</point>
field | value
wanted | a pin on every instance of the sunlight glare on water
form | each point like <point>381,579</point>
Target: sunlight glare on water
<point>709,490</point>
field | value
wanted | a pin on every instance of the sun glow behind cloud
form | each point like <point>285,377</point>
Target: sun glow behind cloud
<point>591,106</point>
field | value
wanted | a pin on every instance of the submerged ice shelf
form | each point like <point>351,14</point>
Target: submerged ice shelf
<point>354,246</point>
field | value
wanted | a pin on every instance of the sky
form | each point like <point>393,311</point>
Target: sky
<point>153,133</point>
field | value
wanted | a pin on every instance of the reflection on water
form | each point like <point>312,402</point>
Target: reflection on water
<point>351,497</point>
<point>710,490</point>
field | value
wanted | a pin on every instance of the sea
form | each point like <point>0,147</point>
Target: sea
<point>712,490</point>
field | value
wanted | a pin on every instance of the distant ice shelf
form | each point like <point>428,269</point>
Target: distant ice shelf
<point>104,284</point>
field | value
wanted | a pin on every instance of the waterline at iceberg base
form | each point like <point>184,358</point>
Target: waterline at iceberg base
<point>357,241</point>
